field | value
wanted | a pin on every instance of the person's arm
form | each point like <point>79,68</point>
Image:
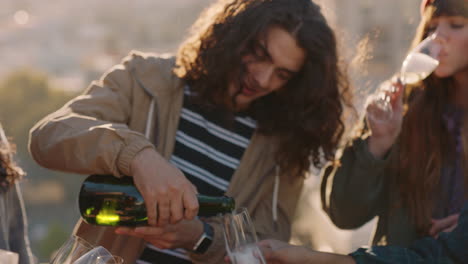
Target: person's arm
<point>278,252</point>
<point>448,248</point>
<point>90,135</point>
<point>353,192</point>
<point>426,250</point>
<point>451,247</point>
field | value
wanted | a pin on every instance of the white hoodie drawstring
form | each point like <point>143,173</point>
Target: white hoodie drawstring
<point>149,120</point>
<point>274,209</point>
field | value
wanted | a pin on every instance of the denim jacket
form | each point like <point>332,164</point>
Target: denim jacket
<point>13,224</point>
<point>447,248</point>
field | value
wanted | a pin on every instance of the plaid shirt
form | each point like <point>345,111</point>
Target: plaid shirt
<point>447,248</point>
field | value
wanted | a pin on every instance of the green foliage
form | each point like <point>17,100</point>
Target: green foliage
<point>26,97</point>
<point>56,236</point>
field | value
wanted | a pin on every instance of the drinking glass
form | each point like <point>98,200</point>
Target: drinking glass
<point>418,64</point>
<point>98,255</point>
<point>71,250</point>
<point>76,250</point>
<point>241,239</point>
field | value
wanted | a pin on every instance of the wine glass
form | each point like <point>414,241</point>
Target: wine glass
<point>98,255</point>
<point>418,64</point>
<point>71,250</point>
<point>76,250</point>
<point>241,239</point>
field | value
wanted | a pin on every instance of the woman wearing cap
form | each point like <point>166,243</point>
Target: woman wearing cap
<point>412,170</point>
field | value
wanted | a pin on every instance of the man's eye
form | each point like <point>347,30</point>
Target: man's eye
<point>457,25</point>
<point>283,75</point>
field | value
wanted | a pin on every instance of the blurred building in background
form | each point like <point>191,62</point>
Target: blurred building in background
<point>73,42</point>
<point>388,27</point>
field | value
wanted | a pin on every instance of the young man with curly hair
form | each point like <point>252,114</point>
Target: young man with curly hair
<point>252,99</point>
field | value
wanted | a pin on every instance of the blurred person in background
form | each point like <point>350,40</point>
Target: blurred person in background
<point>13,223</point>
<point>450,247</point>
<point>412,171</point>
<point>254,97</point>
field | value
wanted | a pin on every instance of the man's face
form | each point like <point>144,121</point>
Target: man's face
<point>273,61</point>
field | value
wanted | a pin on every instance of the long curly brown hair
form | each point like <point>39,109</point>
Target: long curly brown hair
<point>9,171</point>
<point>305,116</point>
<point>425,142</point>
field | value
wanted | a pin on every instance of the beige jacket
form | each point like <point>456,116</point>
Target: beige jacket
<point>136,105</point>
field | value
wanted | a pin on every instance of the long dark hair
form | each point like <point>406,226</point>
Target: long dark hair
<point>305,116</point>
<point>425,142</point>
<point>9,171</point>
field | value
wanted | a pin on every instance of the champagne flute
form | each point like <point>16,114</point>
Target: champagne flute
<point>71,250</point>
<point>241,239</point>
<point>418,64</point>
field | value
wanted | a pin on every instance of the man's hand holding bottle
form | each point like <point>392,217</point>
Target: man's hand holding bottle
<point>168,195</point>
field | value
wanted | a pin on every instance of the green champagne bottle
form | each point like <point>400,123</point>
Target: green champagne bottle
<point>111,201</point>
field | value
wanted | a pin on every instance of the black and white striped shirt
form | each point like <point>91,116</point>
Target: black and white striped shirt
<point>208,150</point>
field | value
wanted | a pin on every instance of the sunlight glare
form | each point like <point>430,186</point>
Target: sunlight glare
<point>21,17</point>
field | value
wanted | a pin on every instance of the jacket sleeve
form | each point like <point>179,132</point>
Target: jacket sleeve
<point>456,242</point>
<point>447,248</point>
<point>354,192</point>
<point>89,135</point>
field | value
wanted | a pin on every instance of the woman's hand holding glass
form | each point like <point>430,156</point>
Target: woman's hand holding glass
<point>385,107</point>
<point>169,196</point>
<point>385,130</point>
<point>418,64</point>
